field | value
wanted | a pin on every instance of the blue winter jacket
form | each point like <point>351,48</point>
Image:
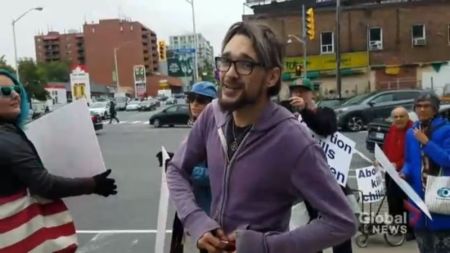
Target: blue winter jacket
<point>438,150</point>
<point>201,187</point>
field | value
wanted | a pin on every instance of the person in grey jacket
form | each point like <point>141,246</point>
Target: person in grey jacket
<point>261,161</point>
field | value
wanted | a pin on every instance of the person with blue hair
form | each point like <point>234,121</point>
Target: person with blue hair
<point>21,166</point>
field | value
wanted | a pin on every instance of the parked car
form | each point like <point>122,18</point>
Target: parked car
<point>330,103</point>
<point>355,113</point>
<point>100,108</point>
<point>149,105</point>
<point>171,101</point>
<point>96,121</point>
<point>378,128</point>
<point>133,105</point>
<point>172,115</point>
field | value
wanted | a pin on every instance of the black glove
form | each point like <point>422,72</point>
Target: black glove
<point>103,185</point>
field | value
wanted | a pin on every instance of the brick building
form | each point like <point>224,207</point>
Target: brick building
<point>384,44</point>
<point>60,47</point>
<point>131,43</point>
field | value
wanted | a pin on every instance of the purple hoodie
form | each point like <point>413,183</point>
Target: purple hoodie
<point>277,165</point>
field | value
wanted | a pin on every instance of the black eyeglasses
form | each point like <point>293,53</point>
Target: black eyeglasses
<point>6,91</point>
<point>191,98</point>
<point>242,67</point>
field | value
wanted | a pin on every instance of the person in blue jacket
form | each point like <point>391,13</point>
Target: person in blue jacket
<point>427,152</point>
<point>198,98</point>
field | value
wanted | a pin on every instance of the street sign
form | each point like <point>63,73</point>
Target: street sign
<point>140,80</point>
<point>180,64</point>
<point>80,84</point>
<point>184,50</point>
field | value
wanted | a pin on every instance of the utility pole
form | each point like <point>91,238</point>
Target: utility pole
<point>305,69</point>
<point>338,48</point>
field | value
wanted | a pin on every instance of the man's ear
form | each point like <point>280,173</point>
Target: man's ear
<point>273,76</point>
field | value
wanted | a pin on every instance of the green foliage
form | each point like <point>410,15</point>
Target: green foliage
<point>4,65</point>
<point>35,76</point>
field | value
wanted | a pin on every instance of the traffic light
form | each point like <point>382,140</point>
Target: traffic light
<point>310,26</point>
<point>298,70</point>
<point>162,50</point>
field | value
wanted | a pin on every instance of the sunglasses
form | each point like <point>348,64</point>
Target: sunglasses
<point>199,98</point>
<point>6,91</point>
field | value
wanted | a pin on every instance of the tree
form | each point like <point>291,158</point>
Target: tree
<point>55,71</point>
<point>36,76</point>
<point>33,79</point>
<point>4,65</point>
<point>207,72</point>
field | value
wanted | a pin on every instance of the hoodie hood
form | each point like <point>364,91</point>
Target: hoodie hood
<point>271,116</point>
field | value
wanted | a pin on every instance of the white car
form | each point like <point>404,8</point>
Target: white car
<point>100,108</point>
<point>133,105</point>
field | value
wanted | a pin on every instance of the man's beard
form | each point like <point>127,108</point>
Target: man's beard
<point>243,100</point>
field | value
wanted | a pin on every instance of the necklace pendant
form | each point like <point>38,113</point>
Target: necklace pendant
<point>234,146</point>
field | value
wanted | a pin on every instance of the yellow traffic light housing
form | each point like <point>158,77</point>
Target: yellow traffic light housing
<point>310,24</point>
<point>162,50</point>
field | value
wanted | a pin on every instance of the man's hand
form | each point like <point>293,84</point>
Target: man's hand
<point>212,241</point>
<point>421,136</point>
<point>298,102</point>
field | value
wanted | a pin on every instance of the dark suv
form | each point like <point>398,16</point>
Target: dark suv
<point>355,113</point>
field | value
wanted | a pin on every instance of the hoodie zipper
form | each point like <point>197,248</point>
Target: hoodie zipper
<point>229,163</point>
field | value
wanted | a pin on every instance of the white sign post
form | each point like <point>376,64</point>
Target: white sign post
<point>339,151</point>
<point>80,85</point>
<point>370,183</point>
<point>163,206</point>
<point>410,192</point>
<point>140,80</point>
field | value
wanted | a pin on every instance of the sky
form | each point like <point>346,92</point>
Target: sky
<point>165,17</point>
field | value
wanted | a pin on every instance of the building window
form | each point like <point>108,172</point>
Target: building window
<point>375,38</point>
<point>326,43</point>
<point>93,30</point>
<point>131,28</point>
<point>418,31</point>
<point>418,35</point>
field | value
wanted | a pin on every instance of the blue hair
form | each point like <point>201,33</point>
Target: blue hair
<point>21,120</point>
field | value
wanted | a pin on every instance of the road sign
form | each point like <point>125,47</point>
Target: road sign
<point>140,80</point>
<point>80,84</point>
<point>184,50</point>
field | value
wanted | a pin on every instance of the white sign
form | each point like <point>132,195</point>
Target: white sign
<point>80,85</point>
<point>410,192</point>
<point>163,206</point>
<point>339,151</point>
<point>140,80</point>
<point>370,183</point>
<point>66,141</point>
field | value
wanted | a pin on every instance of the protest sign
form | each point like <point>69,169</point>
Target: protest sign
<point>370,183</point>
<point>163,206</point>
<point>389,168</point>
<point>66,141</point>
<point>338,150</point>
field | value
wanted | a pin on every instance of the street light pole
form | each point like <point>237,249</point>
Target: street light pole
<point>338,48</point>
<point>303,42</point>
<point>14,37</point>
<point>191,2</point>
<point>116,69</point>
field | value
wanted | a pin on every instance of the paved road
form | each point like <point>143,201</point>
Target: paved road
<point>129,149</point>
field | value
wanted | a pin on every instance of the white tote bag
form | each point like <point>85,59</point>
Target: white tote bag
<point>437,194</point>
